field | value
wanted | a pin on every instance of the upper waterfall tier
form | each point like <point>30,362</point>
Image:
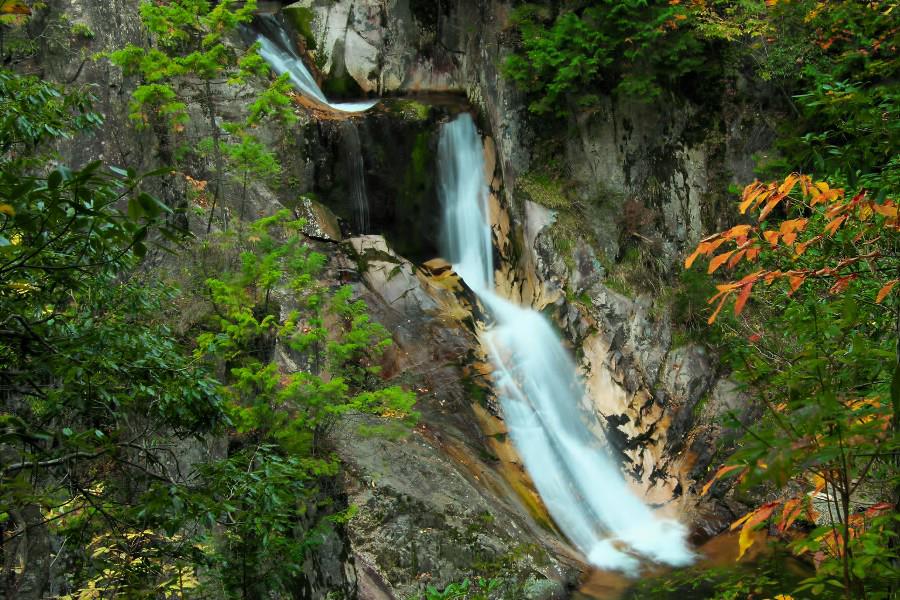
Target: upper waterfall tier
<point>278,50</point>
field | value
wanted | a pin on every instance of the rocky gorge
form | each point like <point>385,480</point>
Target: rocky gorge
<point>588,225</point>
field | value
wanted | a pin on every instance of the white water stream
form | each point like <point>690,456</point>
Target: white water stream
<point>540,391</point>
<point>278,50</point>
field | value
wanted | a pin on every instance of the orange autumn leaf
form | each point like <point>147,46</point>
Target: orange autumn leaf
<point>833,226</point>
<point>841,284</point>
<point>14,7</point>
<point>796,281</point>
<point>717,262</point>
<point>736,258</point>
<point>887,209</point>
<point>718,475</point>
<point>792,226</point>
<point>790,513</point>
<point>885,290</point>
<point>789,183</point>
<point>753,253</point>
<point>771,237</point>
<point>742,299</point>
<point>712,318</point>
<point>770,205</point>
<point>737,231</point>
<point>690,259</point>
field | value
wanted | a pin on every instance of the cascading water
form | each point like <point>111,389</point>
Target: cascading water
<point>540,391</point>
<point>354,176</point>
<point>277,49</point>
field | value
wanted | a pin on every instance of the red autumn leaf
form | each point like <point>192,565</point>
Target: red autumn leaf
<point>879,508</point>
<point>841,284</point>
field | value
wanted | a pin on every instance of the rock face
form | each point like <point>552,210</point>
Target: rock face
<point>434,504</point>
<point>670,159</point>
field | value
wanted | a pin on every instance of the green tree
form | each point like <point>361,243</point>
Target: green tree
<point>91,378</point>
<point>189,42</point>
<point>282,418</point>
<point>633,47</point>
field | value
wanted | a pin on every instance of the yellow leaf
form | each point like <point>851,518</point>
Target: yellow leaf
<point>789,183</point>
<point>7,209</point>
<point>745,540</point>
<point>884,291</point>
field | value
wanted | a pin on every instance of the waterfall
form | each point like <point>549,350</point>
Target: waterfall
<point>540,391</point>
<point>355,175</point>
<point>277,49</point>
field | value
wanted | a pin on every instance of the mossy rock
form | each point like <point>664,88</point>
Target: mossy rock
<point>543,190</point>
<point>301,18</point>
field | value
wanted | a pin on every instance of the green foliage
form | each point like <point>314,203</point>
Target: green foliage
<point>822,359</point>
<point>481,589</point>
<point>92,376</point>
<point>834,64</point>
<point>544,190</point>
<point>633,47</point>
<point>190,41</point>
<point>282,419</point>
<point>769,577</point>
<point>33,111</point>
<point>104,404</point>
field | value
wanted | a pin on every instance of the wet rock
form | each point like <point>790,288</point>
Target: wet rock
<point>321,223</point>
